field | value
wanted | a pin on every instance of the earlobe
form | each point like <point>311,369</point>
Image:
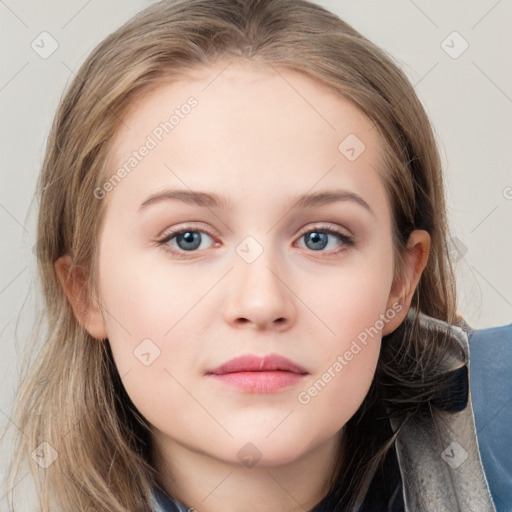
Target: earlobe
<point>85,307</point>
<point>415,259</point>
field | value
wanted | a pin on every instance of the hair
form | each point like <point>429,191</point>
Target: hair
<point>72,396</point>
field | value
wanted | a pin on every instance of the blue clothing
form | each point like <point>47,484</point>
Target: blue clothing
<point>491,394</point>
<point>162,502</point>
<point>490,362</point>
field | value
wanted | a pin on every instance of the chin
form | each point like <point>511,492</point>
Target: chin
<point>268,451</point>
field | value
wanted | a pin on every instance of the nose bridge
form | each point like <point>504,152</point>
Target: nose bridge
<point>260,295</point>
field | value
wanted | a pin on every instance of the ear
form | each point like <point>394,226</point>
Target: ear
<point>85,307</point>
<point>415,259</point>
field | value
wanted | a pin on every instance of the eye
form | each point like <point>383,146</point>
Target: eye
<point>317,239</point>
<point>186,240</point>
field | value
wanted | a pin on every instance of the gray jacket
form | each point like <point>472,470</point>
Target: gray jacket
<point>439,458</point>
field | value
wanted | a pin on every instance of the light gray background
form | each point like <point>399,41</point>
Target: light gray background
<point>469,99</point>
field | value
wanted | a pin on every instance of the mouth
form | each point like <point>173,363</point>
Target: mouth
<point>255,374</point>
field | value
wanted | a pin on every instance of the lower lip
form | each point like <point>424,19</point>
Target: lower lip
<point>260,382</point>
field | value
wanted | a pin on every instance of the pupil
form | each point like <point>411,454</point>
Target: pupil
<point>318,239</point>
<point>190,238</point>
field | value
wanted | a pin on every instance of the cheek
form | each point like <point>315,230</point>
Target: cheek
<point>154,332</point>
<point>332,395</point>
<point>350,299</point>
<point>142,301</point>
<point>353,312</point>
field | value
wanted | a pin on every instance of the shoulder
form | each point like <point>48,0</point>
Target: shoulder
<point>490,362</point>
<point>491,346</point>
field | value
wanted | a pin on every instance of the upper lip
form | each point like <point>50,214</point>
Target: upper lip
<point>253,363</point>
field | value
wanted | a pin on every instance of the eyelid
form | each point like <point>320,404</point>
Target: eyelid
<point>187,226</point>
<point>166,236</point>
<point>325,227</point>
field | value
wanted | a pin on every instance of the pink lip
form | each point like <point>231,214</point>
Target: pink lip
<point>255,374</point>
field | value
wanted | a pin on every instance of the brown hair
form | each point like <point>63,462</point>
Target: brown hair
<point>72,396</point>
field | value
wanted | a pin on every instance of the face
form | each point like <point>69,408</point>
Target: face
<point>254,269</point>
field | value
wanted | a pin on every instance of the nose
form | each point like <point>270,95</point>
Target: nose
<point>260,296</point>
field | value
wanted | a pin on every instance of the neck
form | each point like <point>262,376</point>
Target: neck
<point>207,484</point>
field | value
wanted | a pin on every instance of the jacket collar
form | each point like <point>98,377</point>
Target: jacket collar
<point>438,457</point>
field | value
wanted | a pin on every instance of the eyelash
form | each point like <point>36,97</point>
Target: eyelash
<point>346,240</point>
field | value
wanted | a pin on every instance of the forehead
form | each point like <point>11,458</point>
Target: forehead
<point>252,126</point>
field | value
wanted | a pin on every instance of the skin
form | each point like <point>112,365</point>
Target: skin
<point>255,140</point>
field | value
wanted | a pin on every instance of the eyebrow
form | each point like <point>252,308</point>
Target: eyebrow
<point>209,200</point>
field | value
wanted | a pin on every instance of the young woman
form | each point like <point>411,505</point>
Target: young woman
<point>250,306</point>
